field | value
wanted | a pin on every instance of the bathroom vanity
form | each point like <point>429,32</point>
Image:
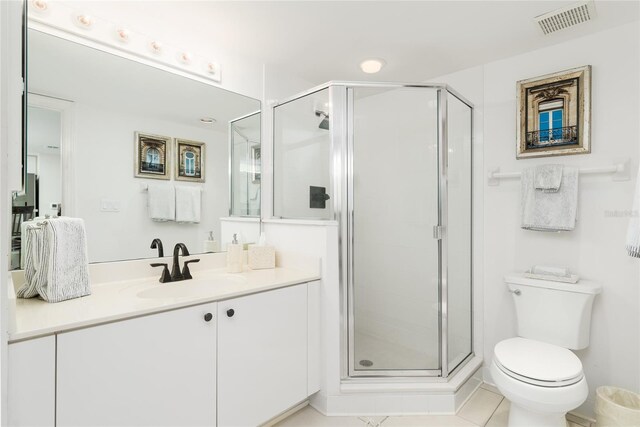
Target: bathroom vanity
<point>220,349</point>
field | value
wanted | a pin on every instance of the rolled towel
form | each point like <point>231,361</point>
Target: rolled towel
<point>188,203</point>
<point>162,202</point>
<point>548,178</point>
<point>633,231</point>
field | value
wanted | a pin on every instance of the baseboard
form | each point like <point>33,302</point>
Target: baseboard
<point>580,419</point>
<point>286,414</point>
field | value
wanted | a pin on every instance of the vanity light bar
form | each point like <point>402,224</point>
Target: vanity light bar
<point>58,17</point>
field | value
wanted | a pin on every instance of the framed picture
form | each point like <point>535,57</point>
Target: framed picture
<point>255,164</point>
<point>554,114</point>
<point>152,156</point>
<point>189,160</point>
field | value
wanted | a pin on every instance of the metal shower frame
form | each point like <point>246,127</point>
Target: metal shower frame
<point>341,173</point>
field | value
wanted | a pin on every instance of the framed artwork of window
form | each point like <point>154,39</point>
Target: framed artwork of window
<point>152,156</point>
<point>189,160</point>
<point>554,114</point>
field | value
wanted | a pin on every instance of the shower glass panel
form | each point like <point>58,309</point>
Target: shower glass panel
<point>459,127</point>
<point>394,200</point>
<point>392,163</point>
<point>245,167</point>
<point>302,149</point>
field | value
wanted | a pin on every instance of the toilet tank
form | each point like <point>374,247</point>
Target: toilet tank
<point>553,312</point>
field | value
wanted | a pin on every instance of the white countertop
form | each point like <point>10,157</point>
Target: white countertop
<point>119,300</point>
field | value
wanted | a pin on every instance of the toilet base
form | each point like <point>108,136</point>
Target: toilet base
<point>520,417</point>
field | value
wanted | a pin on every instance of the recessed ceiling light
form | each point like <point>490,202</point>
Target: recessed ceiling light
<point>372,66</point>
<point>208,120</point>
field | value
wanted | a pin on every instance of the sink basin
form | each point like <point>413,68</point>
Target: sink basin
<point>189,288</point>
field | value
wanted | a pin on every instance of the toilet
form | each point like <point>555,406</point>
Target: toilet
<point>537,371</point>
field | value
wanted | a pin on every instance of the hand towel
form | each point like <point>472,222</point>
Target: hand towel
<point>162,202</point>
<point>633,232</point>
<point>548,178</point>
<point>58,261</point>
<point>188,203</point>
<point>548,211</point>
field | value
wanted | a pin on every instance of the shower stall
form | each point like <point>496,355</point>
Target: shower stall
<point>392,164</point>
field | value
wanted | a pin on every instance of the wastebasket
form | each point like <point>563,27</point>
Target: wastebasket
<point>616,407</point>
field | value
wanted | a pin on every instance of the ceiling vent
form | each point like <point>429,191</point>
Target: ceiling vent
<point>566,17</point>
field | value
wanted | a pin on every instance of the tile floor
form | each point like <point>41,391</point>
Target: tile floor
<point>485,408</point>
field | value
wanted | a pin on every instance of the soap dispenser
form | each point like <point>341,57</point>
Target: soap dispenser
<point>211,245</point>
<point>234,255</point>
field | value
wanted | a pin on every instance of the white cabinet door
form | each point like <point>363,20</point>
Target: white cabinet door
<point>32,382</point>
<point>156,370</point>
<point>262,355</point>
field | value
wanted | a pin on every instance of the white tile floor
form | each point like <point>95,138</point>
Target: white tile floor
<point>485,408</point>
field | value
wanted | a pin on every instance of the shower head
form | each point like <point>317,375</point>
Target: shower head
<point>324,124</point>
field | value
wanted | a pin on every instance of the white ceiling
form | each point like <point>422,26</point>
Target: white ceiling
<point>325,40</point>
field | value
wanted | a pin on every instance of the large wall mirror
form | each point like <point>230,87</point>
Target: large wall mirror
<point>88,110</point>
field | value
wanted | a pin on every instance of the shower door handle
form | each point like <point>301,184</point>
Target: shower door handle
<point>438,232</point>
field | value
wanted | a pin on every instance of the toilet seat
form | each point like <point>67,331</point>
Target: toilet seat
<point>537,363</point>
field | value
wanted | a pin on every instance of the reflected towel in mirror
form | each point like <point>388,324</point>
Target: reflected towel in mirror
<point>162,202</point>
<point>188,203</point>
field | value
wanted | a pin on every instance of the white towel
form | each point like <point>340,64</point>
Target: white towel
<point>57,261</point>
<point>188,203</point>
<point>162,202</point>
<point>31,236</point>
<point>549,211</point>
<point>548,178</point>
<point>633,232</point>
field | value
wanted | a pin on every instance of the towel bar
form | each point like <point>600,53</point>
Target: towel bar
<point>618,171</point>
<point>145,187</point>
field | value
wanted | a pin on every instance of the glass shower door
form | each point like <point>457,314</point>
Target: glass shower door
<point>393,207</point>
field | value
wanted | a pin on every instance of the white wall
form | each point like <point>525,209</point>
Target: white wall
<point>104,151</point>
<point>49,183</point>
<point>595,249</point>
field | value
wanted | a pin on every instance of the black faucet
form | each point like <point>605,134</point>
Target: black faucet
<point>176,275</point>
<point>157,243</point>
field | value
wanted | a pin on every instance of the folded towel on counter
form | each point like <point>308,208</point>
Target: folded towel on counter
<point>548,178</point>
<point>56,265</point>
<point>550,211</point>
<point>162,202</point>
<point>31,248</point>
<point>633,231</point>
<point>188,203</point>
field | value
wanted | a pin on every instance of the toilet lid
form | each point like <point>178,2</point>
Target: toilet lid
<point>537,362</point>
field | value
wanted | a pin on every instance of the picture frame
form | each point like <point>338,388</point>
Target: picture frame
<point>152,156</point>
<point>189,160</point>
<point>554,114</point>
<point>256,161</point>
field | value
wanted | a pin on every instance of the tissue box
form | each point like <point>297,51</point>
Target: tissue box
<point>262,257</point>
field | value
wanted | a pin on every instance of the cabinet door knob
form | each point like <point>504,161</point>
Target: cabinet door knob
<point>208,317</point>
<point>230,312</point>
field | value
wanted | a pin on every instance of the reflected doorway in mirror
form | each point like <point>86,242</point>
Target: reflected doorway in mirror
<point>152,156</point>
<point>255,164</point>
<point>189,160</point>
